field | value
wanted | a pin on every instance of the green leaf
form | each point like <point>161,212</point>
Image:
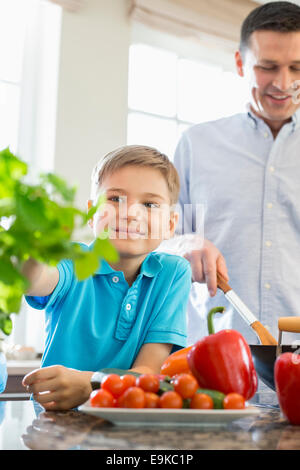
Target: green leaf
<point>104,249</point>
<point>11,297</point>
<point>86,265</point>
<point>92,211</point>
<point>11,166</point>
<point>8,273</point>
<point>38,221</point>
<point>7,207</point>
<point>31,211</point>
<point>5,323</point>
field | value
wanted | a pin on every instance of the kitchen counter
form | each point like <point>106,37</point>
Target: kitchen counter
<point>16,370</point>
<point>25,425</point>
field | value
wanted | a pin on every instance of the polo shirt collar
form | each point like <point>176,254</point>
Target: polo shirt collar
<point>150,266</point>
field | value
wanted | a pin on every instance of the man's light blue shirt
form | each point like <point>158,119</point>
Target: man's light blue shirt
<point>102,322</point>
<point>249,184</point>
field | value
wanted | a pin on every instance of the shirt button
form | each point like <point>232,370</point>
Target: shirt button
<point>266,135</point>
<point>269,205</point>
<point>268,243</point>
<point>267,285</point>
<point>115,279</point>
<point>272,169</point>
<point>128,307</point>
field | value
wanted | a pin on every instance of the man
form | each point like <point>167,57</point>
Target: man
<point>245,170</point>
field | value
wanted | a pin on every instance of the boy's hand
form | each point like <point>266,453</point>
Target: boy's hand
<point>58,387</point>
<point>205,264</point>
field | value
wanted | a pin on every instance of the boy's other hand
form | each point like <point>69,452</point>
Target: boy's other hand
<point>58,387</point>
<point>205,264</point>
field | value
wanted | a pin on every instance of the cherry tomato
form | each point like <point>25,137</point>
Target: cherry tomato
<point>118,403</point>
<point>128,381</point>
<point>133,397</point>
<point>113,384</point>
<point>234,401</point>
<point>185,384</point>
<point>170,399</point>
<point>201,401</point>
<point>148,382</point>
<point>101,399</point>
<point>151,400</point>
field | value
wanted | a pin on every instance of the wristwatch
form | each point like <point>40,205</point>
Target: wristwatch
<point>96,379</point>
<point>98,376</point>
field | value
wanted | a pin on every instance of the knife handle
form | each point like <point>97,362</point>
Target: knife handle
<point>291,324</point>
<point>222,283</point>
<point>263,334</point>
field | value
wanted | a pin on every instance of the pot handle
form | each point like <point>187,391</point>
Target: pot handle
<point>291,324</point>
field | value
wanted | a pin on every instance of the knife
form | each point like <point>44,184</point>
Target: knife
<point>263,334</point>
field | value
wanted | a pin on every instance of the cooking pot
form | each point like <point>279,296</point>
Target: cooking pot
<point>264,355</point>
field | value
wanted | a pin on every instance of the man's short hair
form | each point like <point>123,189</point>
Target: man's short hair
<point>136,155</point>
<point>283,17</point>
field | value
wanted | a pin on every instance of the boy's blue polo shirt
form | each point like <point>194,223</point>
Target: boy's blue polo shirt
<point>102,322</point>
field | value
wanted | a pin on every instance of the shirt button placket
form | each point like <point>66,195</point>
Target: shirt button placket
<point>268,226</point>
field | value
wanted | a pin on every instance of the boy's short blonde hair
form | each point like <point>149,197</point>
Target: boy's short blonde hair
<point>138,155</point>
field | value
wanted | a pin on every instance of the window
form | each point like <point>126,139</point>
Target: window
<point>167,93</point>
<point>29,45</point>
<point>12,34</point>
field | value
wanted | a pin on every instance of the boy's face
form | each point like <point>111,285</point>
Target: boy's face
<point>137,210</point>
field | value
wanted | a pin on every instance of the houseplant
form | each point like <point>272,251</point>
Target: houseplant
<point>38,221</point>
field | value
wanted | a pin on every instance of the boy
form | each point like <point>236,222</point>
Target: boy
<point>130,314</point>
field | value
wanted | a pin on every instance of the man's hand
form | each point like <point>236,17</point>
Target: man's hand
<point>58,388</point>
<point>205,264</point>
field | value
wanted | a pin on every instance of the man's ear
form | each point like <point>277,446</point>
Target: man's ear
<point>89,205</point>
<point>174,218</point>
<point>239,63</point>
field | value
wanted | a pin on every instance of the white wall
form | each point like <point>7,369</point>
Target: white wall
<point>92,89</point>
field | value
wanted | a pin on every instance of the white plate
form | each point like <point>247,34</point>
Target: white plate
<point>168,417</point>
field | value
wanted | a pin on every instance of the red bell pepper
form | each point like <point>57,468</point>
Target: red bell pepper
<point>223,361</point>
<point>287,382</point>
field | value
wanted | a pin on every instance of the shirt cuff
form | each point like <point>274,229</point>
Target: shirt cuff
<point>178,340</point>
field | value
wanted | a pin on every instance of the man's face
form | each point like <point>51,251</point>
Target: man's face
<point>137,210</point>
<point>271,64</point>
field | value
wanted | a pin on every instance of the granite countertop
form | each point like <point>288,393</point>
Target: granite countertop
<point>36,429</point>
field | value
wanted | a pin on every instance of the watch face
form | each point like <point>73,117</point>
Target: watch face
<point>96,380</point>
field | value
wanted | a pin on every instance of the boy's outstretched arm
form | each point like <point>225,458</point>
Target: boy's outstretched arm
<point>42,278</point>
<point>61,388</point>
<point>151,358</point>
